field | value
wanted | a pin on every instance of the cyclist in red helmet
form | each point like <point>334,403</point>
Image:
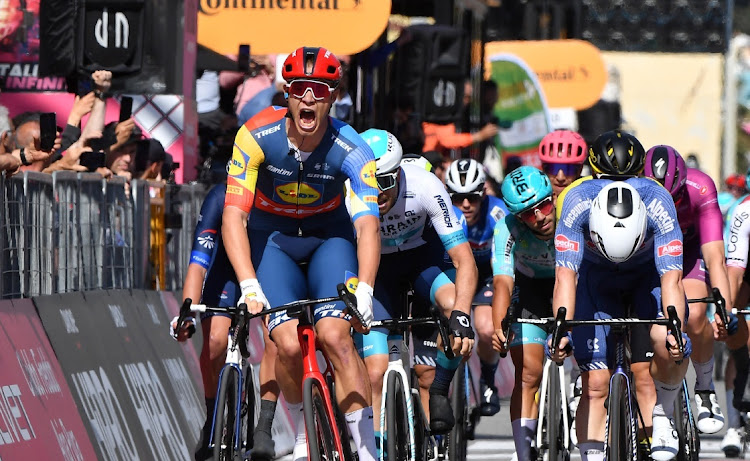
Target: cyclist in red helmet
<point>562,153</point>
<point>289,167</point>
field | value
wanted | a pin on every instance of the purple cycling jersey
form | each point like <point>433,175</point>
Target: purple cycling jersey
<point>698,210</point>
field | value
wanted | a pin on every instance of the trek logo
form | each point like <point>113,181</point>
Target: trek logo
<point>563,244</point>
<point>661,216</point>
<point>446,213</point>
<point>267,131</point>
<point>339,143</point>
<point>673,248</point>
<point>304,195</point>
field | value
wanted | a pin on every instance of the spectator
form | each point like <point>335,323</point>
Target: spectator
<point>247,85</point>
<point>260,101</point>
<point>150,156</point>
<point>122,154</point>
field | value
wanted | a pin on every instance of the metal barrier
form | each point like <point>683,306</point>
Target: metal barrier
<point>76,231</point>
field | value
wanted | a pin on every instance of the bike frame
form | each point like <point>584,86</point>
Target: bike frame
<point>233,360</point>
<point>396,365</point>
<point>621,335</point>
<point>543,401</point>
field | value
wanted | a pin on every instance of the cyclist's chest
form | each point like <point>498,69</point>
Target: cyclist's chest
<point>407,217</point>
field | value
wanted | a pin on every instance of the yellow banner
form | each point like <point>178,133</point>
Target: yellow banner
<point>571,72</point>
<point>282,26</point>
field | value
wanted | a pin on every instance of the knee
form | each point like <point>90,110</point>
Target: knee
<point>697,322</point>
<point>217,344</point>
<point>336,340</point>
<point>530,377</point>
<point>596,386</point>
<point>485,330</point>
<point>287,347</point>
<point>425,378</point>
<point>376,366</point>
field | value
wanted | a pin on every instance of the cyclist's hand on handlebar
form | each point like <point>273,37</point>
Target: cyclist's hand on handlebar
<point>720,330</point>
<point>462,333</point>
<point>184,332</point>
<point>363,293</point>
<point>564,349</point>
<point>498,341</point>
<point>674,350</point>
<point>252,295</point>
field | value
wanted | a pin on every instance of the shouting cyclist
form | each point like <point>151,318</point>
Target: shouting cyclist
<point>562,153</point>
<point>618,243</point>
<point>700,219</point>
<point>465,183</point>
<point>211,280</point>
<point>523,264</point>
<point>289,167</point>
<point>417,225</point>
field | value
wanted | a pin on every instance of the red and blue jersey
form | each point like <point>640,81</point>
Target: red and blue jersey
<point>296,195</point>
<point>662,246</point>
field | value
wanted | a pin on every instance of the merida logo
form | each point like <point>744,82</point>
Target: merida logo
<point>212,7</point>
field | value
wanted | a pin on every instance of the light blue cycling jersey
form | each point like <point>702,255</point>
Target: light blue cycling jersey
<point>491,211</point>
<point>516,248</point>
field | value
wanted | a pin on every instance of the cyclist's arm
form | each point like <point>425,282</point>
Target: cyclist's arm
<point>710,222</point>
<point>193,286</point>
<point>247,157</point>
<point>713,255</point>
<point>503,286</point>
<point>564,293</point>
<point>205,243</point>
<point>466,276</point>
<point>673,293</point>
<point>368,248</point>
<point>735,275</point>
<point>503,266</point>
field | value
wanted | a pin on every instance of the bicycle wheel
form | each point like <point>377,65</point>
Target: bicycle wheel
<point>621,433</point>
<point>247,426</point>
<point>457,435</point>
<point>396,419</point>
<point>552,431</point>
<point>318,427</point>
<point>686,430</point>
<point>223,437</point>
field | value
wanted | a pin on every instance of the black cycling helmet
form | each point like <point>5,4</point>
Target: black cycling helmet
<point>617,153</point>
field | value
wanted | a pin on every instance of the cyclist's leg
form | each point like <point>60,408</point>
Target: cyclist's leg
<point>527,352</point>
<point>213,352</point>
<point>640,346</point>
<point>738,347</point>
<point>263,445</point>
<point>488,357</point>
<point>424,341</point>
<point>334,262</point>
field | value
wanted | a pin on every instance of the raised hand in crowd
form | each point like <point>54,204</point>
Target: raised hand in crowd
<point>102,79</point>
<point>81,107</point>
<point>70,161</point>
<point>123,131</point>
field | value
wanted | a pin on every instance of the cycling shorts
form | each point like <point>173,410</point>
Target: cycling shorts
<point>693,266</point>
<point>531,299</point>
<point>220,295</point>
<point>601,294</point>
<point>330,261</point>
<point>423,337</point>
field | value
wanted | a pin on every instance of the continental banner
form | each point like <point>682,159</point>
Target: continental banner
<point>38,417</point>
<point>521,102</point>
<point>132,383</point>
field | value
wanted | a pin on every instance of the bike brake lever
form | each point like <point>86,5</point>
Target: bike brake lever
<point>442,324</point>
<point>184,311</point>
<point>351,302</point>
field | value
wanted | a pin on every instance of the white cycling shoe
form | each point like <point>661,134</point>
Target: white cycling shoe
<point>731,443</point>
<point>664,442</point>
<point>300,448</point>
<point>710,418</point>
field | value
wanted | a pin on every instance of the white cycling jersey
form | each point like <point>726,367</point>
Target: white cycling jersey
<point>738,237</point>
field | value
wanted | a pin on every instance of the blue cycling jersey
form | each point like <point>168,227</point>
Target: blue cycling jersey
<point>480,233</point>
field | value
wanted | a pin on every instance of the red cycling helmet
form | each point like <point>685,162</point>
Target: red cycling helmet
<point>563,146</point>
<point>324,65</point>
<point>736,180</point>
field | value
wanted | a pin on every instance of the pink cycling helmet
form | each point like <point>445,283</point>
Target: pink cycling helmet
<point>563,146</point>
<point>666,165</point>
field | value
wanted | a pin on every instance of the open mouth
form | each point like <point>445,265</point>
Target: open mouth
<point>307,119</point>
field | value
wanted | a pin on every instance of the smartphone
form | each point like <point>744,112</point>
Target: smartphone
<point>47,130</point>
<point>243,58</point>
<point>85,86</point>
<point>92,160</point>
<point>141,155</point>
<point>126,108</point>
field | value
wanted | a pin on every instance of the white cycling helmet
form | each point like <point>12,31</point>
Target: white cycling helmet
<point>617,222</point>
<point>387,149</point>
<point>465,176</point>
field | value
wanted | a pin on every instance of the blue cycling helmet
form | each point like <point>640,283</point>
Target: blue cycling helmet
<point>387,149</point>
<point>524,187</point>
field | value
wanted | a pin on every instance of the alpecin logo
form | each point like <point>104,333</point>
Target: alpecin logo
<point>563,243</point>
<point>673,248</point>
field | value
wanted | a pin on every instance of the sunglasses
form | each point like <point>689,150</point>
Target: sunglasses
<point>544,207</point>
<point>568,169</point>
<point>320,90</point>
<point>387,181</point>
<point>472,198</point>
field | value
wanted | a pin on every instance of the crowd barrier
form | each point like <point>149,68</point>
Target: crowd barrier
<point>66,232</point>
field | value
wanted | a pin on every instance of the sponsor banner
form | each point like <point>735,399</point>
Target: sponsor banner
<point>131,382</point>
<point>341,26</point>
<point>521,102</point>
<point>571,72</point>
<point>38,417</point>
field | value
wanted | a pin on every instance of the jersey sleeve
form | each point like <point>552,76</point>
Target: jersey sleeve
<point>359,167</point>
<point>739,236</point>
<point>709,219</point>
<point>503,244</point>
<point>574,209</point>
<point>205,237</point>
<point>247,156</point>
<point>437,202</point>
<point>662,221</point>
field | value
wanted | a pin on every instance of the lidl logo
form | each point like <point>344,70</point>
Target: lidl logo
<point>304,195</point>
<point>351,281</point>
<point>237,164</point>
<point>368,174</point>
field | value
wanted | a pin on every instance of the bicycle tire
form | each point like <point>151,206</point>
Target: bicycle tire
<point>396,420</point>
<point>620,421</point>
<point>318,428</point>
<point>686,430</point>
<point>247,427</point>
<point>553,419</point>
<point>457,435</point>
<point>223,436</point>
<point>347,443</point>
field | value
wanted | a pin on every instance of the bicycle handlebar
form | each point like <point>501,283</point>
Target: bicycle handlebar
<point>510,315</point>
<point>717,299</point>
<point>436,318</point>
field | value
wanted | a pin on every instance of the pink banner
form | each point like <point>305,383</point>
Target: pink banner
<point>38,418</point>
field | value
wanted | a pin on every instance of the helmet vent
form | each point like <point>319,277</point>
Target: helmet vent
<point>619,203</point>
<point>619,224</point>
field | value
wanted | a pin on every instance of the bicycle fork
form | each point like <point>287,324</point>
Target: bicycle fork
<point>544,393</point>
<point>631,422</point>
<point>395,365</point>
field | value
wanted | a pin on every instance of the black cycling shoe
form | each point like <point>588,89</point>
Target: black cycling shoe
<point>263,447</point>
<point>202,453</point>
<point>441,414</point>
<point>490,401</point>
